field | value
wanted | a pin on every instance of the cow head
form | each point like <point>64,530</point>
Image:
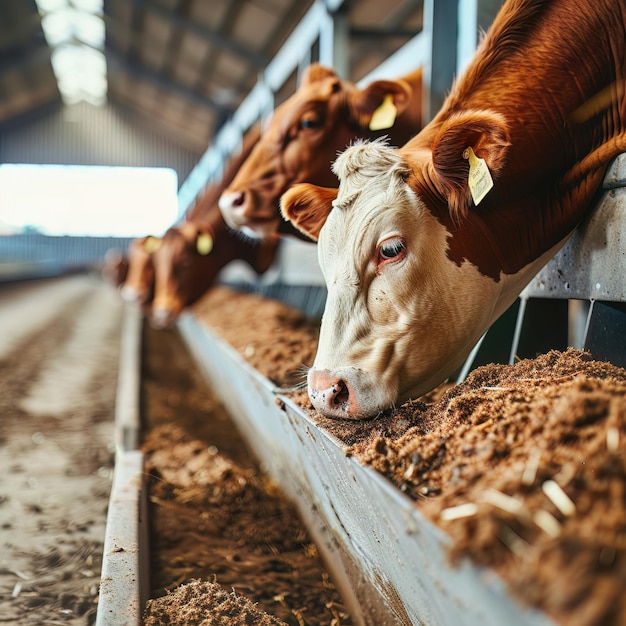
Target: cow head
<point>189,260</point>
<point>300,142</point>
<point>402,313</point>
<point>138,285</point>
<point>114,268</point>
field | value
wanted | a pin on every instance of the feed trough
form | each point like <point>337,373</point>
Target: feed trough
<point>388,561</point>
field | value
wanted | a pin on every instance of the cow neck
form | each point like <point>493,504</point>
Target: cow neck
<point>555,163</point>
<point>503,237</point>
<point>207,202</point>
<point>212,220</point>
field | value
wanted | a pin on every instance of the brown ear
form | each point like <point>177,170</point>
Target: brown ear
<point>486,132</point>
<point>316,72</point>
<point>307,206</point>
<point>365,102</point>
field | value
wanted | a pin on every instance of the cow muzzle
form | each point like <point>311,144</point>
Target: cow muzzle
<point>232,204</point>
<point>333,395</point>
<point>241,212</point>
<point>162,318</point>
<point>134,294</point>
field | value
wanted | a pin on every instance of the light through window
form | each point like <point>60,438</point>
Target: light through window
<point>75,32</point>
<point>87,200</point>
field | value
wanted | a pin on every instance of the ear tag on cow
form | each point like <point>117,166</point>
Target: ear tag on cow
<point>204,244</point>
<point>385,115</point>
<point>480,181</point>
<point>152,244</point>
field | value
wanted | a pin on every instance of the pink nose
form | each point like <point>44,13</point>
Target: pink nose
<point>331,395</point>
<point>232,201</point>
<point>162,318</point>
<point>134,294</point>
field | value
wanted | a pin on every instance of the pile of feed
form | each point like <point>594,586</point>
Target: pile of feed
<point>206,603</point>
<point>523,466</point>
<point>226,546</point>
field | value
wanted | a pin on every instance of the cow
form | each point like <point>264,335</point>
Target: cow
<point>114,267</point>
<point>190,257</point>
<point>304,135</point>
<point>168,273</point>
<point>138,285</point>
<point>424,246</point>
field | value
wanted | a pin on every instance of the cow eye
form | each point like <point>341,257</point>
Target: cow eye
<point>392,249</point>
<point>309,121</point>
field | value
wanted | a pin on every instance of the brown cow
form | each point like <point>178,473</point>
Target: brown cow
<point>138,285</point>
<point>168,273</point>
<point>428,244</point>
<point>304,136</point>
<point>190,258</point>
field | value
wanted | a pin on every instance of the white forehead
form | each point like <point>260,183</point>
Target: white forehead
<point>368,167</point>
<point>372,182</point>
<point>372,197</point>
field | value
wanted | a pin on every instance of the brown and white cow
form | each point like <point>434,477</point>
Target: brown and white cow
<point>138,285</point>
<point>416,268</point>
<point>191,256</point>
<point>167,274</point>
<point>304,135</point>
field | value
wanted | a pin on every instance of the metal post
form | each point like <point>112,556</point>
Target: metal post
<point>334,39</point>
<point>440,23</point>
<point>468,33</point>
<point>518,328</point>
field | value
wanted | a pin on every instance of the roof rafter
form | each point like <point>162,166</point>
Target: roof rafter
<point>179,21</point>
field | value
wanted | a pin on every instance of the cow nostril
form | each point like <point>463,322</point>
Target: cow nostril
<point>340,393</point>
<point>238,198</point>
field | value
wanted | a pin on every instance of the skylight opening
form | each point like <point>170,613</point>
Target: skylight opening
<point>75,31</point>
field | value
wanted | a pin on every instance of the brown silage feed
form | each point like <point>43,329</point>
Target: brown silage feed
<point>206,604</point>
<point>523,466</point>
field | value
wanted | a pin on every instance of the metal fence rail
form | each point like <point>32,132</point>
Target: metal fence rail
<point>443,48</point>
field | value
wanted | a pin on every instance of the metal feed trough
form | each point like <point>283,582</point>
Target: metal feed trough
<point>388,562</point>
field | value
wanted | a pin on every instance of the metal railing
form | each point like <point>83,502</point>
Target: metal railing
<point>443,48</point>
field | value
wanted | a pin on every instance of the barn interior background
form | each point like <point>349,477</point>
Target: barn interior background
<point>172,84</point>
<point>176,83</point>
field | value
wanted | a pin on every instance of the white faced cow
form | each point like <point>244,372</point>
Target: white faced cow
<point>425,246</point>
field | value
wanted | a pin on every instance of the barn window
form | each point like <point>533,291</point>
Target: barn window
<point>87,200</point>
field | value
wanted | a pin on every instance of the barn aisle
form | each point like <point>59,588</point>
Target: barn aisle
<point>59,351</point>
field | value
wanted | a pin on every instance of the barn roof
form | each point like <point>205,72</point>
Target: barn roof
<point>182,65</point>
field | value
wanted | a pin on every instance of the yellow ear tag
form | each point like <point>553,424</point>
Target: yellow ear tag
<point>152,244</point>
<point>204,244</point>
<point>480,181</point>
<point>385,115</point>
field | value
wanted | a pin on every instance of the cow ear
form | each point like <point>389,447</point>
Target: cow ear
<point>377,106</point>
<point>307,206</point>
<point>469,153</point>
<point>316,72</point>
